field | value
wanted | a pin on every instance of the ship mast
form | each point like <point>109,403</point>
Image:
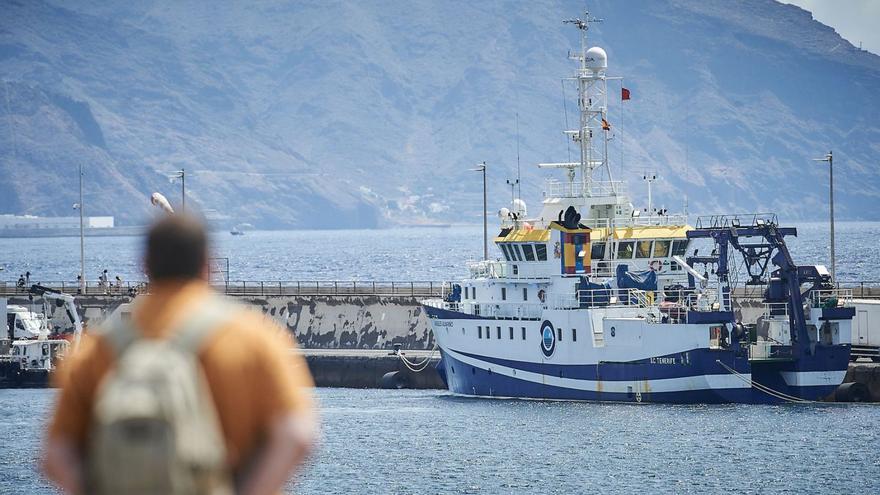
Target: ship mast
<point>593,106</point>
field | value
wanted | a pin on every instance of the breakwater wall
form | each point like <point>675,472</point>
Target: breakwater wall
<point>317,321</point>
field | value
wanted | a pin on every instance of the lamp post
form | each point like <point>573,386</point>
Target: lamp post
<point>482,168</point>
<point>181,174</point>
<point>830,159</point>
<point>82,242</point>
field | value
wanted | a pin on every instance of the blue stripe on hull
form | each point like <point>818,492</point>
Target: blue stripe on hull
<point>678,365</point>
<point>462,378</point>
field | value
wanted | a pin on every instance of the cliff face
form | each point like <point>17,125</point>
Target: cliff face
<point>339,114</point>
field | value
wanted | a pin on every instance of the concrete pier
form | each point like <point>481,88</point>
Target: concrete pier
<point>371,369</point>
<point>867,374</point>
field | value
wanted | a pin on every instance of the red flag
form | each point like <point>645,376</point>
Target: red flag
<point>624,94</point>
<point>605,125</point>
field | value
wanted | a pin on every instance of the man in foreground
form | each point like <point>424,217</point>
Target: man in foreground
<point>110,407</point>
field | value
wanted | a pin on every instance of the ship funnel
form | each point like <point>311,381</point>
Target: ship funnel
<point>596,59</point>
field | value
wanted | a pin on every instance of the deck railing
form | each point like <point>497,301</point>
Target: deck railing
<point>248,288</point>
<point>831,298</point>
<point>847,290</point>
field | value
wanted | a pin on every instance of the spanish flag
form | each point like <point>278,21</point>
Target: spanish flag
<point>624,94</point>
<point>605,125</point>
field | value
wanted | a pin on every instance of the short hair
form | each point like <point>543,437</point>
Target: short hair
<point>177,248</point>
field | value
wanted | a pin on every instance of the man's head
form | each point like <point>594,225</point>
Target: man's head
<point>177,249</point>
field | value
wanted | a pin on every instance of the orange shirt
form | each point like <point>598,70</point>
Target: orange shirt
<point>252,373</point>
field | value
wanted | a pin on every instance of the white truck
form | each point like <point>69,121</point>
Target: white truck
<point>866,329</point>
<point>21,322</point>
<point>27,353</point>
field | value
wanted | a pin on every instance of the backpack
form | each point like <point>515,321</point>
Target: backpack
<point>155,428</point>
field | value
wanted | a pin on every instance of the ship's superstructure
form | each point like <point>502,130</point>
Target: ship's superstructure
<point>592,300</point>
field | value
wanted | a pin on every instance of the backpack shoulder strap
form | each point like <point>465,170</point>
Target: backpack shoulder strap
<point>118,335</point>
<point>209,316</point>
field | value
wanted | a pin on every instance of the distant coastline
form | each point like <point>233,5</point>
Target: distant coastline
<point>21,233</point>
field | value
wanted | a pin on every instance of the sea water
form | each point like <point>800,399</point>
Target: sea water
<point>400,254</point>
<point>429,442</point>
<point>424,442</point>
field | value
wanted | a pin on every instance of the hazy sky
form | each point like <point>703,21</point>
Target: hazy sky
<point>855,20</point>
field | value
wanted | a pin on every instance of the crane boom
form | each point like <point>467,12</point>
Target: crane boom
<point>69,303</point>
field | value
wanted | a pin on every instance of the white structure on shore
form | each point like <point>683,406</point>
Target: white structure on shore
<point>20,222</point>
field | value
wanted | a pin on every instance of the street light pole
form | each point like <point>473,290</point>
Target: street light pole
<point>830,159</point>
<point>82,242</point>
<point>482,168</point>
<point>180,174</point>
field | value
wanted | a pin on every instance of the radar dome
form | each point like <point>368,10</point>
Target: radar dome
<point>596,59</point>
<point>504,213</point>
<point>519,207</point>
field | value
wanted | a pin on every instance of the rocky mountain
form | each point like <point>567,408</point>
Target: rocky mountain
<point>333,114</point>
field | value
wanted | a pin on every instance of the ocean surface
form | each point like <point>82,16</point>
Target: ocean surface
<point>426,442</point>
<point>429,442</point>
<point>404,254</point>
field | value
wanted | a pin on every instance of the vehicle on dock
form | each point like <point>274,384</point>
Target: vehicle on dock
<point>22,322</point>
<point>29,352</point>
<point>593,300</point>
<point>866,329</point>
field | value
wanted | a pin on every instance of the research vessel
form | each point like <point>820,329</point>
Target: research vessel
<point>593,299</point>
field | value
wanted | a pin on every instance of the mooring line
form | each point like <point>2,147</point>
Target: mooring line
<point>418,367</point>
<point>763,388</point>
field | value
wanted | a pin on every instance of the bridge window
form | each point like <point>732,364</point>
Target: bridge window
<point>559,334</point>
<point>499,332</point>
<point>473,292</point>
<point>525,293</point>
<point>625,250</point>
<point>503,293</point>
<point>479,332</point>
<point>505,251</point>
<point>644,249</point>
<point>679,248</point>
<point>541,251</point>
<point>511,332</point>
<point>514,250</point>
<point>529,252</point>
<point>597,252</point>
<point>524,333</point>
<point>661,249</point>
<point>574,334</point>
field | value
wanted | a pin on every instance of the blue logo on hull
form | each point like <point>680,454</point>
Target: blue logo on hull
<point>548,338</point>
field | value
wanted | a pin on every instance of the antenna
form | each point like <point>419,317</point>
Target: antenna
<point>518,174</point>
<point>583,24</point>
<point>565,112</point>
<point>512,183</point>
<point>649,177</point>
